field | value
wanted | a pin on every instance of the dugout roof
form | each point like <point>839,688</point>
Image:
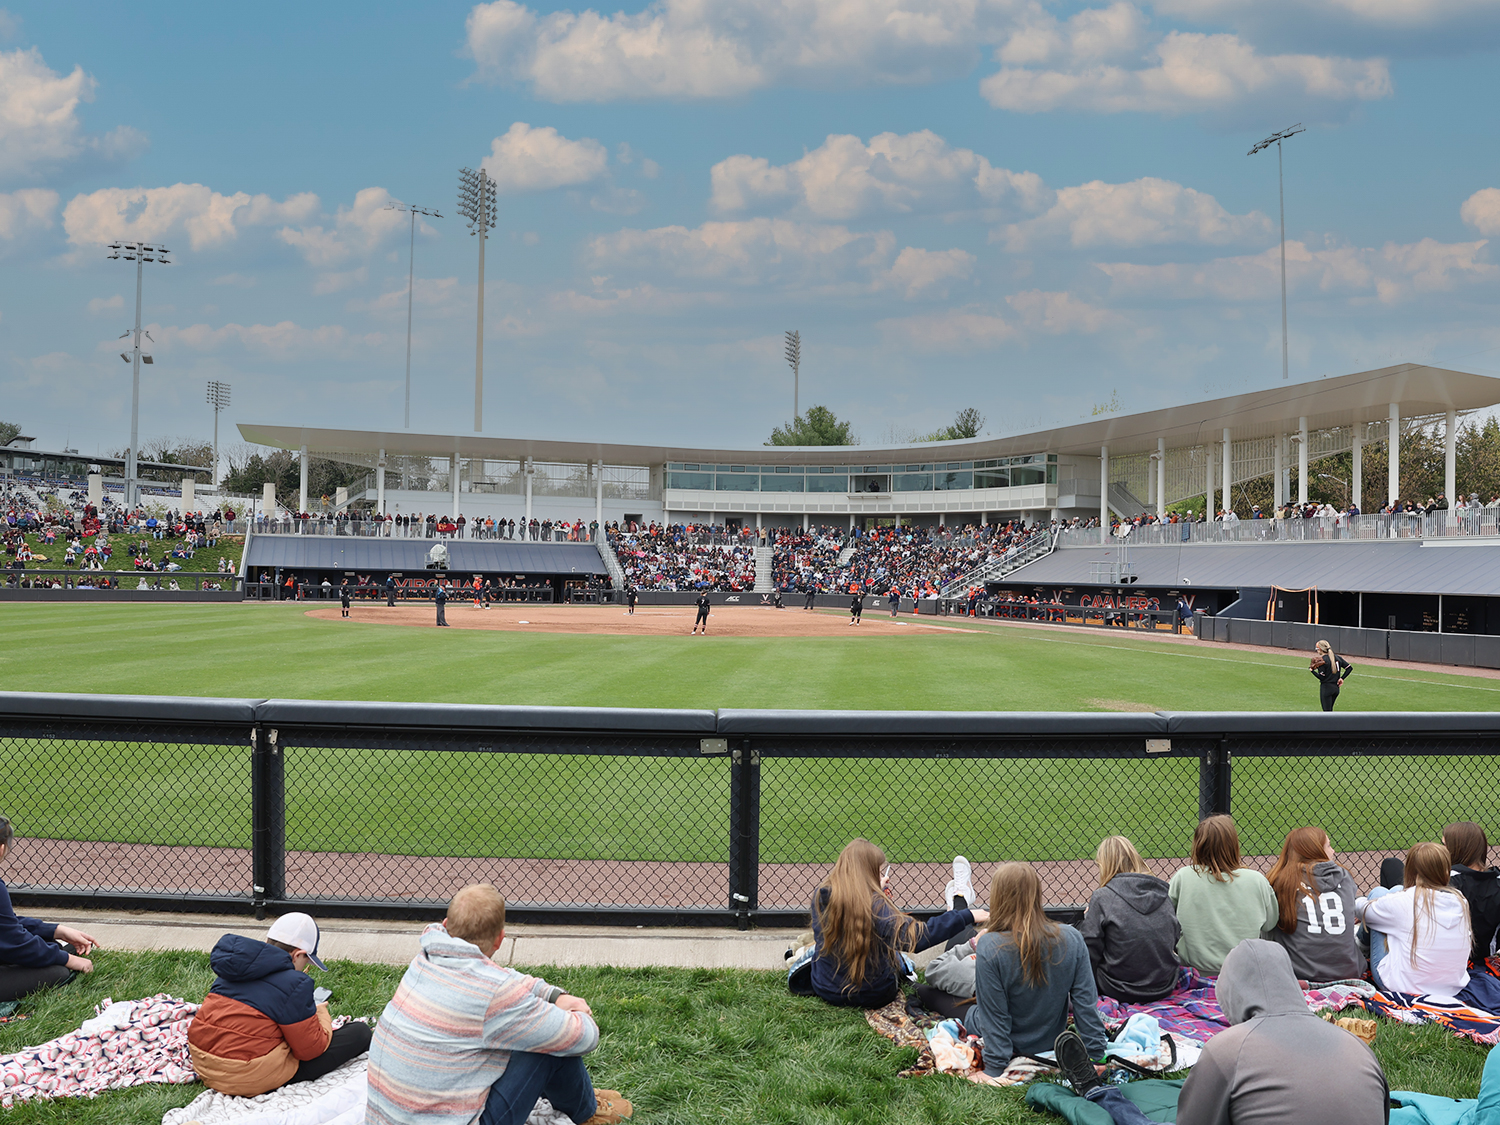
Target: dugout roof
<point>1403,566</point>
<point>465,556</point>
<point>1341,401</point>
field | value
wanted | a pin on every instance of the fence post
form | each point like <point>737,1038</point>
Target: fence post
<point>1215,779</point>
<point>267,818</point>
<point>744,832</point>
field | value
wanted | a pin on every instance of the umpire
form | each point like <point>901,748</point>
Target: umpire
<point>390,590</point>
<point>440,597</point>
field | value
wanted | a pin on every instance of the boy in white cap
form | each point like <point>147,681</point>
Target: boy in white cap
<point>260,1028</point>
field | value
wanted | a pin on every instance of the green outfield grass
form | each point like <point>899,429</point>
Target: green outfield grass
<point>350,800</point>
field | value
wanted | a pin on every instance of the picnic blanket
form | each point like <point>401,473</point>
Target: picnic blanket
<point>1473,1014</point>
<point>1192,1008</point>
<point>127,1044</point>
<point>338,1098</point>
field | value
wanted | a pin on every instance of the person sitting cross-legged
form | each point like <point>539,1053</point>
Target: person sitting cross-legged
<point>467,1041</point>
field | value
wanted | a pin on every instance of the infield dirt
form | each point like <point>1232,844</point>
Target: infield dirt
<point>647,621</point>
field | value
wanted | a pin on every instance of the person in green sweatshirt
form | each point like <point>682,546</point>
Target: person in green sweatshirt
<point>1219,901</point>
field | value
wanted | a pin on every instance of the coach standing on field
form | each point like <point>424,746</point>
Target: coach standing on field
<point>440,598</point>
<point>390,590</point>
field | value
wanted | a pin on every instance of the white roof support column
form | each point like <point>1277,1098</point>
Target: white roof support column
<point>380,484</point>
<point>599,498</point>
<point>1104,495</point>
<point>302,490</point>
<point>1161,478</point>
<point>1356,483</point>
<point>1208,481</point>
<point>1450,460</point>
<point>530,468</point>
<point>1302,461</point>
<point>1278,497</point>
<point>1393,457</point>
<point>453,480</point>
<point>1226,482</point>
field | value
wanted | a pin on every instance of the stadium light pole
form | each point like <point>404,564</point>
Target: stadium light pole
<point>410,268</point>
<point>1276,139</point>
<point>218,398</point>
<point>794,361</point>
<point>140,253</point>
<point>476,203</point>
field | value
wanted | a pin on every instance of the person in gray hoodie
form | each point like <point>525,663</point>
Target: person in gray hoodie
<point>1130,927</point>
<point>1315,899</point>
<point>1279,1062</point>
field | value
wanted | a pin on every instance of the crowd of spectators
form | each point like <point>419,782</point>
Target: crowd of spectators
<point>676,557</point>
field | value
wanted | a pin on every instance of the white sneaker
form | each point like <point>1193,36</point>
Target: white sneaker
<point>962,880</point>
<point>949,892</point>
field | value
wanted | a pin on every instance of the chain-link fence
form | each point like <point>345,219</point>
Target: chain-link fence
<point>603,816</point>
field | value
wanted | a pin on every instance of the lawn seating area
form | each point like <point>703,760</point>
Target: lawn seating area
<point>685,1045</point>
<point>204,560</point>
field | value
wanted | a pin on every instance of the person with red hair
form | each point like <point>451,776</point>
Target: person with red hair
<point>1315,903</point>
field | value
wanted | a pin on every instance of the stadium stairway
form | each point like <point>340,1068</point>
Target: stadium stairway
<point>996,569</point>
<point>763,569</point>
<point>611,561</point>
<point>1125,502</point>
<point>846,554</point>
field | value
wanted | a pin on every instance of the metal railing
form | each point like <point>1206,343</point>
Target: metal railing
<point>1454,524</point>
<point>992,570</point>
<point>79,579</point>
<point>390,529</point>
<point>721,818</point>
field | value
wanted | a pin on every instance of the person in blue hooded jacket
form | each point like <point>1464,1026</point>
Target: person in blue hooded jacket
<point>31,957</point>
<point>260,1027</point>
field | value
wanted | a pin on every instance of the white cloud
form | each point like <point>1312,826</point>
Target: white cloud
<point>1398,13</point>
<point>106,304</point>
<point>915,270</point>
<point>1392,273</point>
<point>726,48</point>
<point>844,178</point>
<point>1059,313</point>
<point>1143,212</point>
<point>155,214</point>
<point>39,126</point>
<point>527,159</point>
<point>286,340</point>
<point>1049,65</point>
<point>356,229</point>
<point>26,210</point>
<point>956,330</point>
<point>1482,211</point>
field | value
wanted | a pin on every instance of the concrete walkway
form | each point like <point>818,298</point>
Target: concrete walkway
<point>395,943</point>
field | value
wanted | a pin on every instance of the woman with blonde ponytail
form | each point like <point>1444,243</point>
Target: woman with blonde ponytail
<point>1419,934</point>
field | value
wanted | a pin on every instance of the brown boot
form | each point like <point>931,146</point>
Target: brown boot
<point>611,1108</point>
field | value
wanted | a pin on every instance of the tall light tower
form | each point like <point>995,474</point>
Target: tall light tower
<point>1276,139</point>
<point>140,253</point>
<point>410,267</point>
<point>794,361</point>
<point>476,203</point>
<point>218,398</point>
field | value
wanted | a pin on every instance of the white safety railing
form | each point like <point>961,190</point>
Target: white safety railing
<point>1463,522</point>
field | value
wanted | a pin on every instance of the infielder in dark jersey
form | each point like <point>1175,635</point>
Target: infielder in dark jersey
<point>344,597</point>
<point>630,598</point>
<point>856,606</point>
<point>702,603</point>
<point>812,592</point>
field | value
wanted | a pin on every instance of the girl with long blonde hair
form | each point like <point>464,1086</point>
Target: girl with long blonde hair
<point>1027,972</point>
<point>1420,934</point>
<point>860,935</point>
<point>1130,927</point>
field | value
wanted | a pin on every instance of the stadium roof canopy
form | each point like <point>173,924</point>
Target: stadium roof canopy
<point>1343,401</point>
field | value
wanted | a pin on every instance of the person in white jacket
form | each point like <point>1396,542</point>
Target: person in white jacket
<point>1419,934</point>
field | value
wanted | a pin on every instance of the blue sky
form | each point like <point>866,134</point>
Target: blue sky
<point>1012,204</point>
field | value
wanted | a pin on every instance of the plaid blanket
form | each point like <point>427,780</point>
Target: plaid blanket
<point>1192,1008</point>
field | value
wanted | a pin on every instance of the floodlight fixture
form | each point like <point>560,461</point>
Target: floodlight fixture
<point>431,212</point>
<point>140,253</point>
<point>476,203</point>
<point>1276,139</point>
<point>794,361</point>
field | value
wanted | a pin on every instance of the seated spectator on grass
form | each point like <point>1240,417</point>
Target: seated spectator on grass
<point>465,1040</point>
<point>1476,881</point>
<point>1420,934</point>
<point>1315,897</point>
<point>31,957</point>
<point>1219,901</point>
<point>860,936</point>
<point>259,1027</point>
<point>1130,927</point>
<point>1029,970</point>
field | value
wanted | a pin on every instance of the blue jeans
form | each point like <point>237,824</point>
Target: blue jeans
<point>1378,945</point>
<point>562,1080</point>
<point>1120,1108</point>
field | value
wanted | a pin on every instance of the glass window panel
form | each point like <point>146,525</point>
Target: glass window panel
<point>785,469</point>
<point>1023,475</point>
<point>691,468</point>
<point>781,483</point>
<point>1052,473</point>
<point>738,482</point>
<point>912,482</point>
<point>821,483</point>
<point>953,480</point>
<point>831,469</point>
<point>999,478</point>
<point>704,481</point>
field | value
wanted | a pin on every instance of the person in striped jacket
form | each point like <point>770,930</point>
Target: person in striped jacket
<point>468,1042</point>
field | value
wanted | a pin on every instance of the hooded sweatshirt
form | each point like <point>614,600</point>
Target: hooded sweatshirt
<point>1279,1063</point>
<point>1440,965</point>
<point>1131,930</point>
<point>882,968</point>
<point>1322,946</point>
<point>258,1021</point>
<point>1482,889</point>
<point>1218,914</point>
